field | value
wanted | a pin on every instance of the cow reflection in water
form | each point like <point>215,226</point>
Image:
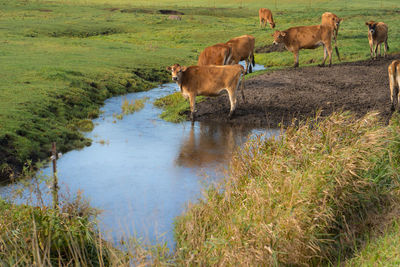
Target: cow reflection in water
<point>210,143</point>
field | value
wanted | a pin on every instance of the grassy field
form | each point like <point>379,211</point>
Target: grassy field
<point>61,59</point>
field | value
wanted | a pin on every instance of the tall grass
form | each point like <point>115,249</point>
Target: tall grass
<point>38,235</point>
<point>304,198</point>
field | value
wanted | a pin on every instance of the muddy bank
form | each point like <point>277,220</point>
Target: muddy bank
<point>280,96</point>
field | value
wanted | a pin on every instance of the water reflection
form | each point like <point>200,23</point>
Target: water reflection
<point>141,171</point>
<point>210,144</point>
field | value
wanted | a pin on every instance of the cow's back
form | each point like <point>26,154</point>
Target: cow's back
<point>207,80</point>
<point>329,19</point>
<point>265,13</point>
<point>381,31</point>
<point>214,55</point>
<point>242,47</point>
<point>307,36</point>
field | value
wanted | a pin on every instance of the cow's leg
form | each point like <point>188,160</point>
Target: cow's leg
<point>386,48</point>
<point>247,65</point>
<point>392,85</point>
<point>379,52</point>
<point>325,55</point>
<point>232,98</point>
<point>375,49</point>
<point>296,58</point>
<point>192,99</point>
<point>261,22</point>
<point>371,45</point>
<point>329,49</point>
<point>397,77</point>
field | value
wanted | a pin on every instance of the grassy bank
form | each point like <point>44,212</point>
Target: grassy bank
<point>307,198</point>
<point>61,59</point>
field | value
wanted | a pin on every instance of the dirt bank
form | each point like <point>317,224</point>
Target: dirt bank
<point>279,96</point>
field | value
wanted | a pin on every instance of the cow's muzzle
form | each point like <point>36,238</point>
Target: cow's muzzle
<point>274,42</point>
<point>175,78</point>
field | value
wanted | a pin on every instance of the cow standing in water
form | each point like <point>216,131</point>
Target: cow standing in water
<point>377,35</point>
<point>243,49</point>
<point>394,81</point>
<point>333,21</point>
<point>306,37</point>
<point>208,81</point>
<point>218,54</point>
<point>265,16</point>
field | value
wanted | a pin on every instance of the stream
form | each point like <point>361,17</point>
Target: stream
<point>141,171</point>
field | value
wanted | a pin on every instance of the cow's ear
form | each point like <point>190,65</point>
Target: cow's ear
<point>183,68</point>
<point>272,34</point>
<point>169,68</point>
<point>340,20</point>
<point>367,23</point>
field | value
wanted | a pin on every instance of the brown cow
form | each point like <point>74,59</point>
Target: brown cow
<point>208,81</point>
<point>306,37</point>
<point>219,54</point>
<point>265,16</point>
<point>377,35</point>
<point>333,21</point>
<point>394,80</point>
<point>243,49</point>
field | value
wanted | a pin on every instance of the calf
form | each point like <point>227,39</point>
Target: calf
<point>265,16</point>
<point>331,20</point>
<point>208,81</point>
<point>394,81</point>
<point>243,49</point>
<point>306,37</point>
<point>219,54</point>
<point>377,34</point>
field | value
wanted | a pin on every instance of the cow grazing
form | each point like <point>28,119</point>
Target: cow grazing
<point>306,37</point>
<point>208,81</point>
<point>333,21</point>
<point>265,16</point>
<point>377,35</point>
<point>243,49</point>
<point>394,81</point>
<point>219,54</point>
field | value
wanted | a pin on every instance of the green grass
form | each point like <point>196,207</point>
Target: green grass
<point>307,198</point>
<point>61,59</point>
<point>381,251</point>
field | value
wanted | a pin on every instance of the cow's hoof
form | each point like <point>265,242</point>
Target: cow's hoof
<point>321,65</point>
<point>392,108</point>
<point>296,66</point>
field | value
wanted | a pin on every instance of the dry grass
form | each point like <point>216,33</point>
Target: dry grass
<point>37,235</point>
<point>303,199</point>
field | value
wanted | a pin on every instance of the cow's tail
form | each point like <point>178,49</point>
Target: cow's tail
<point>228,56</point>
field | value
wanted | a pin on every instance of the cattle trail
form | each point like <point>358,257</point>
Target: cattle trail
<point>280,96</point>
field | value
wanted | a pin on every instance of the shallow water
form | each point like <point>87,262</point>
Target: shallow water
<point>141,171</point>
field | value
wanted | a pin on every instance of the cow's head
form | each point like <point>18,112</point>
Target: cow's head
<point>176,71</point>
<point>371,26</point>
<point>272,25</point>
<point>278,37</point>
<point>336,21</point>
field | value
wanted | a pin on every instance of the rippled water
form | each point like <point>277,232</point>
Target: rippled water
<point>142,171</point>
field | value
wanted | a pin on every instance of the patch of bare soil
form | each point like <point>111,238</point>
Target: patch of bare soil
<point>279,96</point>
<point>170,12</point>
<point>270,48</point>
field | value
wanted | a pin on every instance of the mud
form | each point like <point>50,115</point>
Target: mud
<point>270,48</point>
<point>279,96</point>
<point>170,12</point>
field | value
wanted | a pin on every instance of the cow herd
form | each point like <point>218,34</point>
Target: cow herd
<point>218,69</point>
